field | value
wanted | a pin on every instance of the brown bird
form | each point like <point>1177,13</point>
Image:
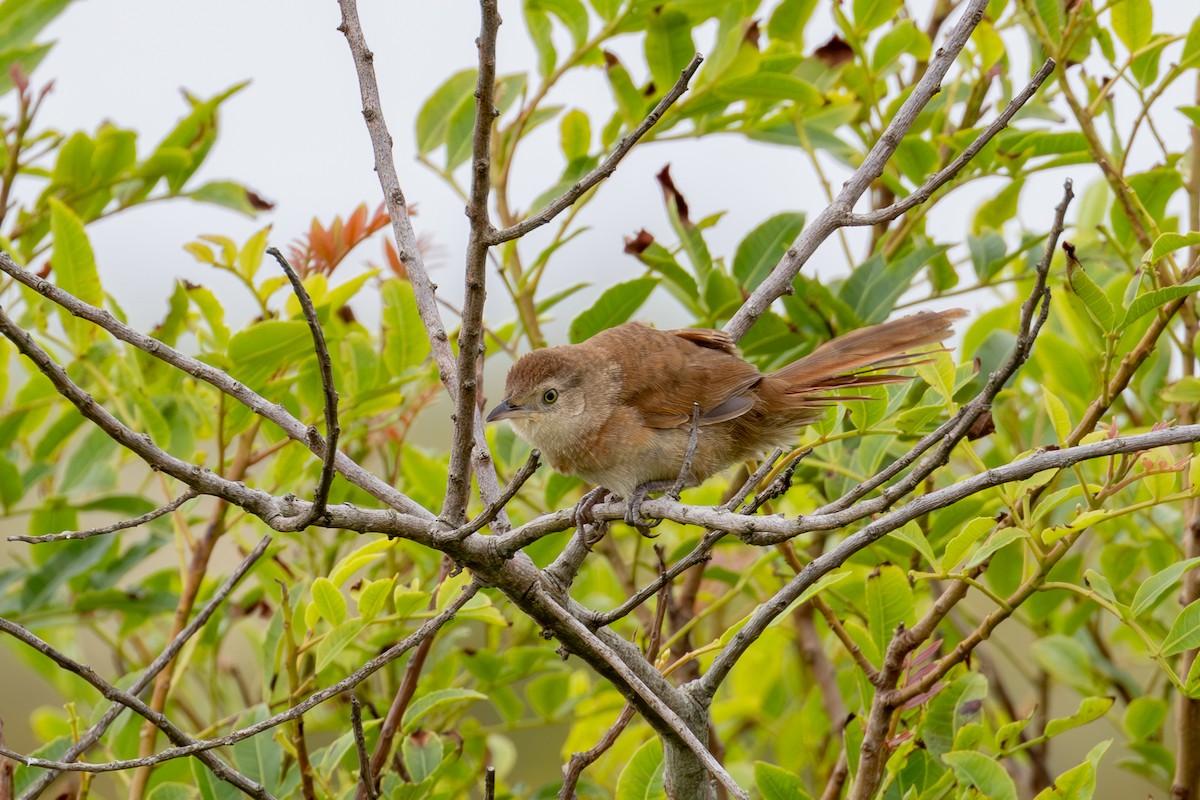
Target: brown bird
<point>616,410</point>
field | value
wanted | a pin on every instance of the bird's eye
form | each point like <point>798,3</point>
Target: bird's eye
<point>550,396</point>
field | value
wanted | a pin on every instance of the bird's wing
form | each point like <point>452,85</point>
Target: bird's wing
<point>665,372</point>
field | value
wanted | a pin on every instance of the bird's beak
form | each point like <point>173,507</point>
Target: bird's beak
<point>506,411</point>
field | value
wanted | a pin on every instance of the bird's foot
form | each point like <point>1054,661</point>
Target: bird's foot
<point>583,510</point>
<point>633,506</point>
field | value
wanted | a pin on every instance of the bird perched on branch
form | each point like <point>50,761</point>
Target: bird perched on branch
<point>619,409</point>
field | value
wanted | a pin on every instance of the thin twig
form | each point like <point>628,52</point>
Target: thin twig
<point>470,335</point>
<point>835,215</point>
<point>665,716</point>
<point>125,524</point>
<point>489,783</point>
<point>951,432</point>
<point>573,770</point>
<point>700,553</point>
<point>1024,468</point>
<point>404,694</point>
<point>360,746</point>
<point>936,181</point>
<point>488,514</point>
<point>325,365</point>
<point>219,768</point>
<point>346,684</point>
<point>407,248</point>
<point>685,471</point>
<point>93,734</point>
<point>606,168</point>
<point>273,412</point>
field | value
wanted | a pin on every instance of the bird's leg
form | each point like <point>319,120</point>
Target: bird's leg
<point>633,506</point>
<point>583,509</point>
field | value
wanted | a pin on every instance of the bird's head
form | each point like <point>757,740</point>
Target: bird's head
<point>551,396</point>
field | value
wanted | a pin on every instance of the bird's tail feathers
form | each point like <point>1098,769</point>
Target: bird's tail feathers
<point>851,360</point>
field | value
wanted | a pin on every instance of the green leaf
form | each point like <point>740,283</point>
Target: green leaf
<point>405,344</point>
<point>1090,710</point>
<point>270,345</point>
<point>777,783</point>
<point>342,635</point>
<point>575,134</point>
<point>1156,585</point>
<point>434,700</point>
<point>330,603</point>
<point>259,757</point>
<point>957,547</point>
<point>25,58</point>
<point>195,134</point>
<point>764,247</point>
<point>669,47</point>
<point>771,86</point>
<point>1079,782</point>
<point>629,100</point>
<point>423,753</point>
<point>433,120</point>
<point>172,791</point>
<point>616,305</point>
<point>998,541</point>
<point>1099,307</point>
<point>459,133</point>
<point>1051,14</point>
<point>950,709</point>
<point>22,20</point>
<point>548,693</point>
<point>542,35</point>
<point>1185,631</point>
<point>912,534</point>
<point>903,38</point>
<point>678,281</point>
<point>642,777</point>
<point>1144,717</point>
<point>870,14</point>
<point>373,596</point>
<point>1153,300</point>
<point>889,602</point>
<point>987,254</point>
<point>788,21</point>
<point>1056,410</point>
<point>1000,208</point>
<point>1154,189</point>
<point>1169,243</point>
<point>1190,57</point>
<point>573,15</point>
<point>1065,659</point>
<point>875,286</point>
<point>229,194</point>
<point>73,166</point>
<point>12,487</point>
<point>982,772</point>
<point>1133,22</point>
<point>74,269</point>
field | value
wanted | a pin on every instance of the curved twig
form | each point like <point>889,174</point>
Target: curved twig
<point>124,524</point>
<point>606,167</point>
<point>325,364</point>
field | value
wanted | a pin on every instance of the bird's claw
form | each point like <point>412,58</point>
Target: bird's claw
<point>633,507</point>
<point>583,510</point>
